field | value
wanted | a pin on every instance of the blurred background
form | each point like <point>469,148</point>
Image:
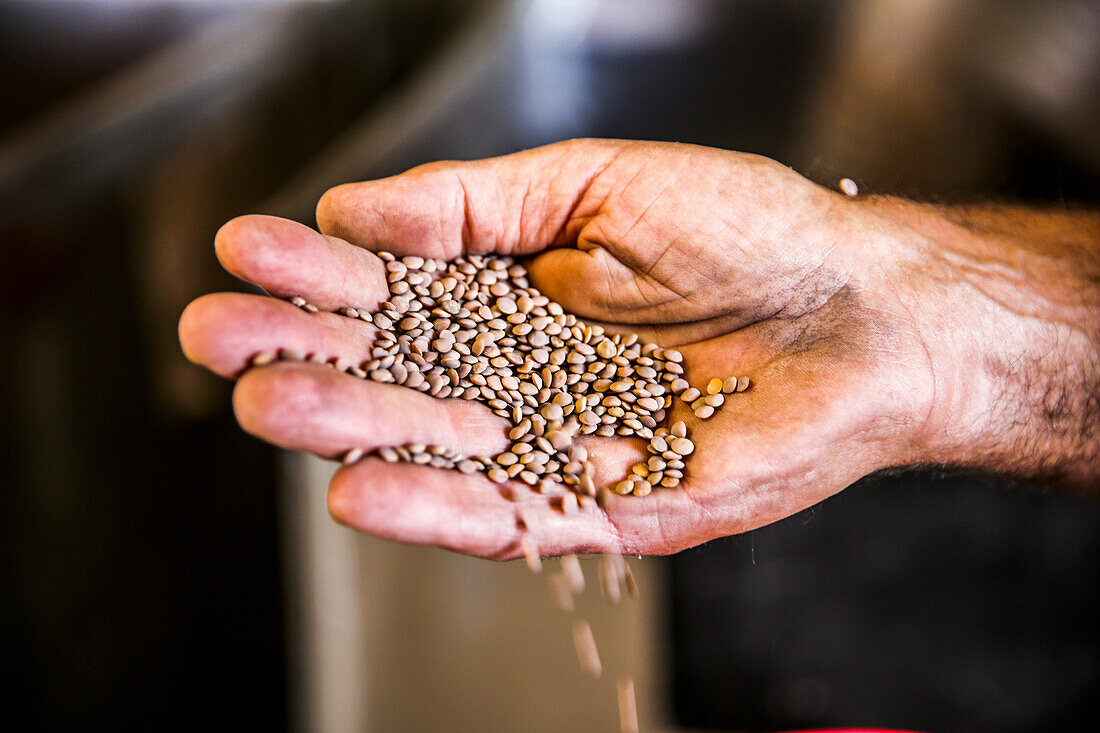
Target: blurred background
<point>163,570</point>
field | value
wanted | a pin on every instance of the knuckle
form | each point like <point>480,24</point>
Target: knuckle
<point>331,206</point>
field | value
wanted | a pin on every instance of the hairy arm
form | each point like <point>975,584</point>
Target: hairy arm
<point>1008,303</point>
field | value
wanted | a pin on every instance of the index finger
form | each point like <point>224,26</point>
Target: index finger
<point>517,204</point>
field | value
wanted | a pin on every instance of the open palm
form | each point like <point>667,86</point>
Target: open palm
<point>738,262</point>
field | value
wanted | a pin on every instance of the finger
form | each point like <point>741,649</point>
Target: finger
<point>308,407</point>
<point>466,513</point>
<point>286,259</point>
<point>671,334</point>
<point>594,283</point>
<point>677,334</point>
<point>312,408</point>
<point>470,514</point>
<point>516,204</point>
<point>224,331</point>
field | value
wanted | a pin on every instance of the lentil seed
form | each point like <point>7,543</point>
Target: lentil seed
<point>263,358</point>
<point>608,574</point>
<point>531,553</point>
<point>585,644</point>
<point>559,591</point>
<point>682,446</point>
<point>628,707</point>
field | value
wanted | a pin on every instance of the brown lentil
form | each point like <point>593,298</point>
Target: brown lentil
<point>585,643</point>
<point>628,708</point>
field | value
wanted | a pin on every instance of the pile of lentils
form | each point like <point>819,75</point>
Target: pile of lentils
<point>474,328</point>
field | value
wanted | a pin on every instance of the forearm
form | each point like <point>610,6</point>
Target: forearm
<point>1007,304</point>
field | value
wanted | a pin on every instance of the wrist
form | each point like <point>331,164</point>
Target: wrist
<point>1005,307</point>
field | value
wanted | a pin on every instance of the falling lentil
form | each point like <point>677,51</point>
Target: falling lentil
<point>628,708</point>
<point>585,643</point>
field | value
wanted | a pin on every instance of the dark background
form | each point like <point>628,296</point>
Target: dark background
<point>139,526</point>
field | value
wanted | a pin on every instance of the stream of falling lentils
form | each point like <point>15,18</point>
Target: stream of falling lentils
<point>474,328</point>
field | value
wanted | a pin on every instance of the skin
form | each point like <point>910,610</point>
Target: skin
<point>878,333</point>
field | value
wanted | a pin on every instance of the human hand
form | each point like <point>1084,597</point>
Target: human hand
<point>743,265</point>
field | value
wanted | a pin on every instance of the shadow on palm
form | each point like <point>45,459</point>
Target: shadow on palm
<point>822,400</point>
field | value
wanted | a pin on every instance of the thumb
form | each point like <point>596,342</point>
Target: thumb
<point>516,204</point>
<point>595,284</point>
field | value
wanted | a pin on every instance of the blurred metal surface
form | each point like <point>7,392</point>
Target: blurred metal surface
<point>1042,61</point>
<point>214,57</point>
<point>950,100</point>
<point>458,102</point>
